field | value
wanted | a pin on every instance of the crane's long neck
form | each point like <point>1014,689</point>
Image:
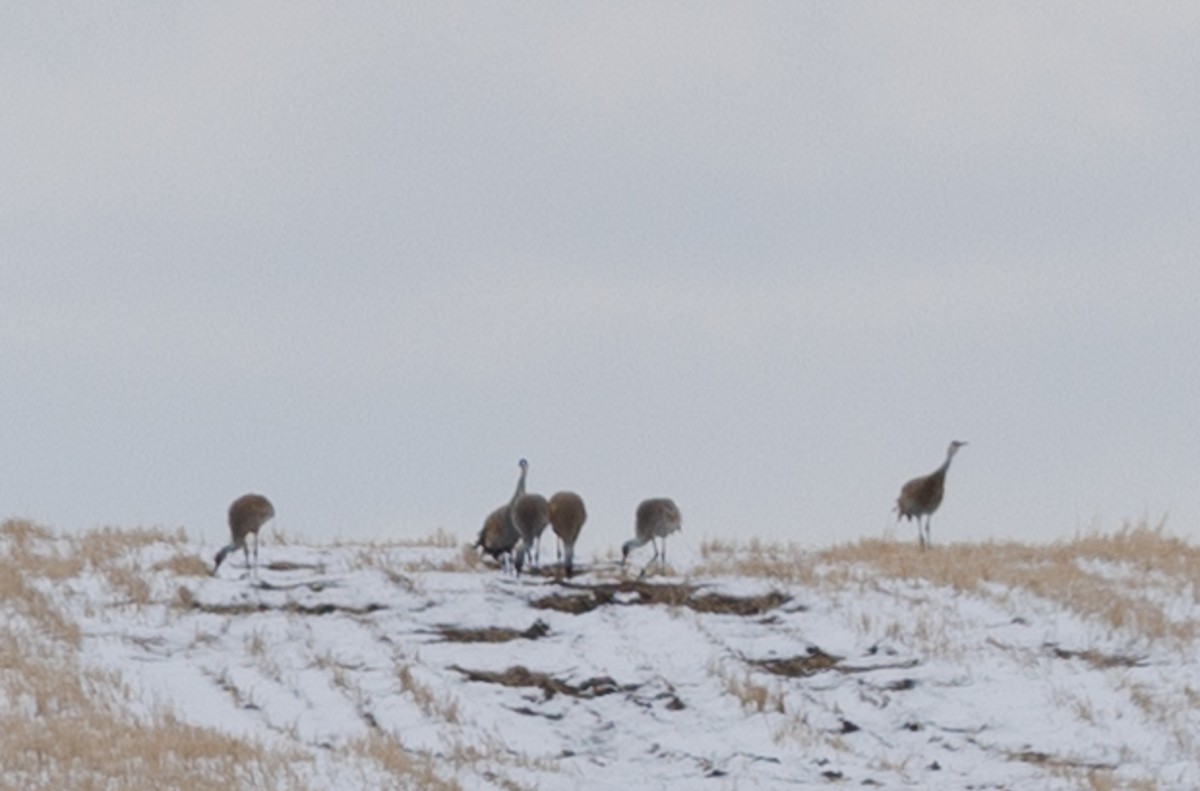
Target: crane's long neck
<point>222,554</point>
<point>940,472</point>
<point>520,486</point>
<point>634,543</point>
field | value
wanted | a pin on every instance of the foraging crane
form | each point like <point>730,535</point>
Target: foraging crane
<point>530,515</point>
<point>920,497</point>
<point>658,517</point>
<point>247,514</point>
<point>567,516</point>
<point>499,535</point>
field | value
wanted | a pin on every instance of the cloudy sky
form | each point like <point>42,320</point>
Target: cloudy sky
<point>766,259</point>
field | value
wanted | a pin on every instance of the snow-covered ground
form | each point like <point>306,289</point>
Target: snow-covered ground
<point>692,679</point>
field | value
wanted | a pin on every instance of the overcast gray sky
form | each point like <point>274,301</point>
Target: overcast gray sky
<point>766,259</point>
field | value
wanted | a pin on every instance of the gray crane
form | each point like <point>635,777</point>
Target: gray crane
<point>657,517</point>
<point>499,535</point>
<point>247,514</point>
<point>920,497</point>
<point>567,516</point>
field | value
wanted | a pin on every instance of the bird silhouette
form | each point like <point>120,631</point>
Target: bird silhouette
<point>657,517</point>
<point>567,516</point>
<point>530,515</point>
<point>920,497</point>
<point>247,514</point>
<point>499,535</point>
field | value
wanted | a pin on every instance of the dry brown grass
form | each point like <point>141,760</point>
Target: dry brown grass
<point>1109,577</point>
<point>438,539</point>
<point>395,558</point>
<point>754,696</point>
<point>22,532</point>
<point>65,726</point>
<point>91,746</point>
<point>184,564</point>
<point>21,596</point>
<point>33,551</point>
<point>408,768</point>
<point>101,545</point>
<point>432,704</point>
<point>785,563</point>
<point>467,560</point>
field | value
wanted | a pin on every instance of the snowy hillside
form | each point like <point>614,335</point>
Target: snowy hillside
<point>126,665</point>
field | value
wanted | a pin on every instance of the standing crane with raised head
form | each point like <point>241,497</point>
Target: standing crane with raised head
<point>920,497</point>
<point>499,535</point>
<point>247,514</point>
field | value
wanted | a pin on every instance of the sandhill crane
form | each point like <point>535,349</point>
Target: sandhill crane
<point>658,517</point>
<point>567,516</point>
<point>246,515</point>
<point>498,535</point>
<point>920,497</point>
<point>530,515</point>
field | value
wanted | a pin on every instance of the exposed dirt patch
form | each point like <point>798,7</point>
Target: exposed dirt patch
<point>290,607</point>
<point>316,586</point>
<point>493,634</point>
<point>628,592</point>
<point>817,661</point>
<point>735,605</point>
<point>550,686</point>
<point>548,571</point>
<point>572,603</point>
<point>285,565</point>
<point>1098,659</point>
<point>528,712</point>
<point>1045,759</point>
<point>901,685</point>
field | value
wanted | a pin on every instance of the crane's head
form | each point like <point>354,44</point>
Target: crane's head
<point>954,446</point>
<point>523,464</point>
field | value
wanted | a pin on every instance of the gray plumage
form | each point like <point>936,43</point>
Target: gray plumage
<point>530,515</point>
<point>920,497</point>
<point>567,515</point>
<point>499,535</point>
<point>247,514</point>
<point>658,517</point>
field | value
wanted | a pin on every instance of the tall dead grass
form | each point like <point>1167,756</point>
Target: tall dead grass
<point>1115,577</point>
<point>65,725</point>
<point>414,770</point>
<point>784,563</point>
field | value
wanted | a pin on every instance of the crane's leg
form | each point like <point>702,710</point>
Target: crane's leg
<point>646,568</point>
<point>927,539</point>
<point>256,554</point>
<point>662,562</point>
